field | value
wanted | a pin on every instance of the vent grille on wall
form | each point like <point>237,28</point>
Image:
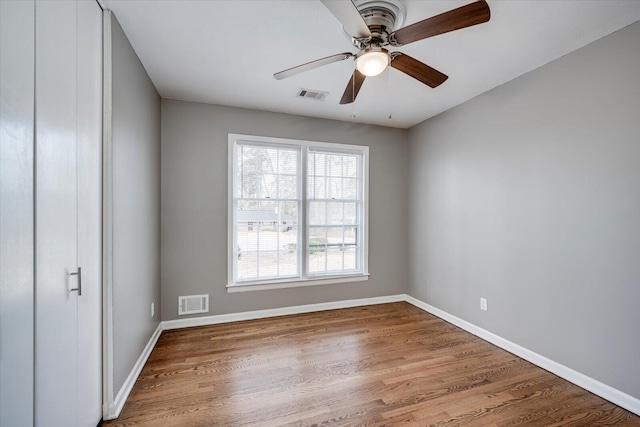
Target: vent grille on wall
<point>192,304</point>
<point>317,95</point>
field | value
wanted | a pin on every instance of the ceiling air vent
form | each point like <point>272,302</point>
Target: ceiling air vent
<point>192,304</point>
<point>318,95</point>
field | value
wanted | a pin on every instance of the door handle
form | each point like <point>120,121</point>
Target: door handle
<point>79,274</point>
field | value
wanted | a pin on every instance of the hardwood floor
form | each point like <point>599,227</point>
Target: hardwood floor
<point>382,365</point>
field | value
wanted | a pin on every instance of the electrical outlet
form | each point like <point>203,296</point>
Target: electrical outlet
<point>483,304</point>
<point>153,308</point>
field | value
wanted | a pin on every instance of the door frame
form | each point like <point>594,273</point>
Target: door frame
<point>109,410</point>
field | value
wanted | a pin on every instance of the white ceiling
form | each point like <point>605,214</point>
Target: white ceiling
<point>226,51</point>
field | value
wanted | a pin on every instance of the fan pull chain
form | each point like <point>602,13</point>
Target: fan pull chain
<point>389,72</point>
<point>353,91</point>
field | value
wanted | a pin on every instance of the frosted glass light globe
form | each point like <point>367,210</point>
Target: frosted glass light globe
<point>372,63</point>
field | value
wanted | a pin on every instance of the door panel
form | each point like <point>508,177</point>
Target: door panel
<point>90,212</point>
<point>56,222</point>
<point>16,212</point>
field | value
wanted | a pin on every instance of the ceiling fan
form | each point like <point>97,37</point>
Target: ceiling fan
<point>371,30</point>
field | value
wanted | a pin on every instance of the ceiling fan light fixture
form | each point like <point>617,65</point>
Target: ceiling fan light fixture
<point>373,61</point>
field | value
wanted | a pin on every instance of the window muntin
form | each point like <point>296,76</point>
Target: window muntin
<point>297,210</point>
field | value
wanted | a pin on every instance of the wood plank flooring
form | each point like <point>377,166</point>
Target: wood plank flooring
<point>382,365</point>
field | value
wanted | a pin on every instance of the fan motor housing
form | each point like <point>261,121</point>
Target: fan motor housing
<point>379,19</point>
<point>390,13</point>
<point>382,17</point>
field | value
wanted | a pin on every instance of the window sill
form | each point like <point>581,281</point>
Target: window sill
<point>296,283</point>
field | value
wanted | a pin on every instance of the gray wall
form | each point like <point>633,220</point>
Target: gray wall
<point>194,205</point>
<point>529,195</point>
<point>16,212</point>
<point>136,206</point>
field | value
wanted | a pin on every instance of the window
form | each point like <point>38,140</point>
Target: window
<point>297,213</point>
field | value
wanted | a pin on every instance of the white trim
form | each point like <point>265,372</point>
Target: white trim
<point>609,393</point>
<point>296,283</point>
<point>126,388</point>
<point>304,278</point>
<point>107,220</point>
<point>232,241</point>
<point>365,234</point>
<point>262,314</point>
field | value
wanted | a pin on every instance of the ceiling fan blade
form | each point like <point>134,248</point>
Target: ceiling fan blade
<point>311,65</point>
<point>351,92</point>
<point>462,17</point>
<point>349,17</point>
<point>416,69</point>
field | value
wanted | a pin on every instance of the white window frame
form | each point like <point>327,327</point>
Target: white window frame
<point>305,278</point>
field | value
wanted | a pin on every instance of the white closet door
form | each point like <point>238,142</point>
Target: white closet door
<point>89,399</point>
<point>16,213</point>
<point>56,223</point>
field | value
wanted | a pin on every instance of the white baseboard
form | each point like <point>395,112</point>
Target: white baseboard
<point>609,393</point>
<point>114,408</point>
<point>613,395</point>
<point>262,314</point>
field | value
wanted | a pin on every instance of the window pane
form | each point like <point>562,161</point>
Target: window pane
<point>334,189</point>
<point>335,214</point>
<point>334,165</point>
<point>288,187</point>
<point>350,259</point>
<point>317,261</point>
<point>253,160</point>
<point>288,263</point>
<point>243,239</point>
<point>269,186</point>
<point>350,236</point>
<point>267,227</point>
<point>248,204</point>
<point>318,191</point>
<point>350,166</point>
<point>350,188</point>
<point>317,238</point>
<point>350,213</point>
<point>334,236</point>
<point>250,186</point>
<point>246,225</point>
<point>317,164</point>
<point>267,238</point>
<point>317,249</point>
<point>263,170</point>
<point>288,237</point>
<point>267,264</point>
<point>256,213</point>
<point>317,213</point>
<point>247,265</point>
<point>288,162</point>
<point>311,181</point>
<point>288,213</point>
<point>269,160</point>
<point>334,259</point>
